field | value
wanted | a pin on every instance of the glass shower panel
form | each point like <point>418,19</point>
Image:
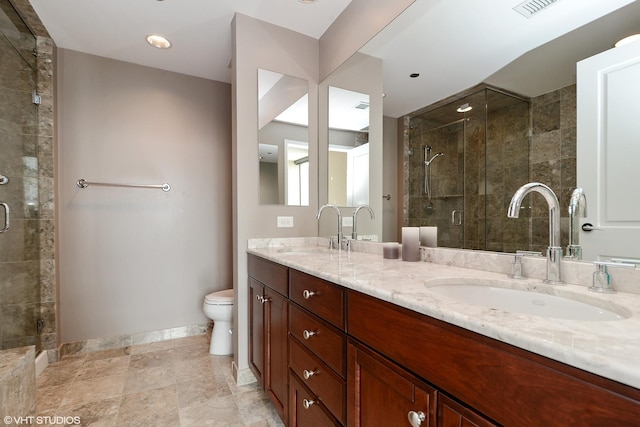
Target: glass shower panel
<point>20,303</point>
<point>466,159</point>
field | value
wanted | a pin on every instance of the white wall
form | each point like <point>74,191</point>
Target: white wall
<point>135,260</point>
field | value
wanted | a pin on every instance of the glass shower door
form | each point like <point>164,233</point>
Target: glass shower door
<point>20,303</point>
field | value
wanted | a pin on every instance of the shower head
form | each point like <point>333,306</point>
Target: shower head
<point>428,162</point>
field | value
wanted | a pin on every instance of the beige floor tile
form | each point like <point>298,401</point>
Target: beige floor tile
<point>196,339</point>
<point>201,390</point>
<point>154,346</point>
<point>174,383</point>
<point>80,392</point>
<point>138,380</point>
<point>194,369</point>
<point>137,408</point>
<point>103,367</point>
<point>220,412</point>
<point>49,398</point>
<point>152,359</point>
<point>58,375</point>
<point>165,419</point>
<point>108,354</point>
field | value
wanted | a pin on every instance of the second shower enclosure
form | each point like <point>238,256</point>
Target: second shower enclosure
<point>466,158</point>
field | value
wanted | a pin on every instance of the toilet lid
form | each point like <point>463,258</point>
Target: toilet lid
<point>220,297</point>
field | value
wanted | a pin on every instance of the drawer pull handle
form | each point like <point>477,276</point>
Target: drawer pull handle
<point>308,334</point>
<point>308,403</point>
<point>416,418</point>
<point>306,294</point>
<point>308,374</point>
<point>262,299</point>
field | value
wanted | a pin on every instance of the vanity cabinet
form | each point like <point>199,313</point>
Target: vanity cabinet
<point>383,394</point>
<point>317,350</point>
<point>268,330</point>
<point>327,355</point>
<point>503,383</point>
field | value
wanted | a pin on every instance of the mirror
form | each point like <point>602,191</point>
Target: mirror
<point>545,73</point>
<point>348,147</point>
<point>283,139</point>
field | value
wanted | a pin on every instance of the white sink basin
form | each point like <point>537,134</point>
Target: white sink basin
<point>525,302</point>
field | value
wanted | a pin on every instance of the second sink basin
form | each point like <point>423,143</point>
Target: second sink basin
<point>525,302</point>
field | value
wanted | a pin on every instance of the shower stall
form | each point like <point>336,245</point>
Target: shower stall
<point>22,307</point>
<point>465,159</point>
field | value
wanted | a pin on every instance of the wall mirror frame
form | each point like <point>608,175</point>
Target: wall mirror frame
<point>283,139</point>
<point>576,45</point>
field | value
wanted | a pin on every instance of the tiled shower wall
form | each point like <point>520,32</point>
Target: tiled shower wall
<point>523,145</point>
<point>29,281</point>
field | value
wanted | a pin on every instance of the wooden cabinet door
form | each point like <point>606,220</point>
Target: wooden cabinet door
<point>453,414</point>
<point>256,329</point>
<point>304,408</point>
<point>276,376</point>
<point>382,394</point>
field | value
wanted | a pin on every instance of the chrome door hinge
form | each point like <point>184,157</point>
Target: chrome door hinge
<point>35,98</point>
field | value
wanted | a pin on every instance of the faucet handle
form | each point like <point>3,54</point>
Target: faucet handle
<point>601,277</point>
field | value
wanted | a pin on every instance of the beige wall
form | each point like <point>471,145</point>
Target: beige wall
<point>135,260</point>
<point>257,44</point>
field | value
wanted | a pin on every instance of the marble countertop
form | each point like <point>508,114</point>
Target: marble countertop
<point>607,348</point>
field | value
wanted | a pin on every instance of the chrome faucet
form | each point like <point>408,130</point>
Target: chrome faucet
<point>577,209</point>
<point>354,231</point>
<point>554,252</point>
<point>339,222</point>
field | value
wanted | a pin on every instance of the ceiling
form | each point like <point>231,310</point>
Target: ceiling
<point>453,45</point>
<point>200,30</point>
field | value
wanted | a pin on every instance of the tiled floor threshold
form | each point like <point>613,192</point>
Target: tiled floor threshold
<point>173,383</point>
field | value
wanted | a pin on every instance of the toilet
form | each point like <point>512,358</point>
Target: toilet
<point>218,306</point>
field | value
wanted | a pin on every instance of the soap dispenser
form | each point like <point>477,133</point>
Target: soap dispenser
<point>601,277</point>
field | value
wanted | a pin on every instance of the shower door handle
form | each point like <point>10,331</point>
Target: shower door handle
<point>456,217</point>
<point>6,217</point>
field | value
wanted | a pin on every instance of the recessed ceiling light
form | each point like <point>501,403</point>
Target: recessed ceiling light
<point>627,40</point>
<point>464,108</point>
<point>307,1</point>
<point>414,75</point>
<point>158,41</point>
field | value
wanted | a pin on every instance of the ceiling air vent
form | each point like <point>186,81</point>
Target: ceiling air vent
<point>361,105</point>
<point>531,7</point>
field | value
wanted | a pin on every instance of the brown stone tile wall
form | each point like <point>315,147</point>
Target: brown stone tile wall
<point>523,142</point>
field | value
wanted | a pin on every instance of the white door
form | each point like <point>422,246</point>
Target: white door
<point>608,144</point>
<point>358,176</point>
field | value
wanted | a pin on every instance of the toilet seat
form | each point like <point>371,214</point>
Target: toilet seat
<point>224,297</point>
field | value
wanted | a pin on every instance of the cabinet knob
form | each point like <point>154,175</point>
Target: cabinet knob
<point>308,403</point>
<point>261,299</point>
<point>416,418</point>
<point>308,374</point>
<point>308,334</point>
<point>306,294</point>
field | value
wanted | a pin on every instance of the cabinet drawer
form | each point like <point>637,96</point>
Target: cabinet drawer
<point>328,387</point>
<point>327,342</point>
<point>320,297</point>
<point>305,409</point>
<point>270,274</point>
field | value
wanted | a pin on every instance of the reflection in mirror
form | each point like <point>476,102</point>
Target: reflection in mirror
<point>283,135</point>
<point>545,76</point>
<point>348,148</point>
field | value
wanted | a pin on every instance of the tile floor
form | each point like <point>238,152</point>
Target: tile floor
<point>169,383</point>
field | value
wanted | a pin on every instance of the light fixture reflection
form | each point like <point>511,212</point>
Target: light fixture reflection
<point>158,41</point>
<point>627,40</point>
<point>464,108</point>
